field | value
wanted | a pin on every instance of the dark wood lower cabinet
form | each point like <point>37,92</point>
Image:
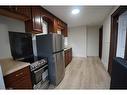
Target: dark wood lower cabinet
<point>68,56</point>
<point>20,79</point>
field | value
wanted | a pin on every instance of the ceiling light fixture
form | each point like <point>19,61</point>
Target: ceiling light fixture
<point>75,11</point>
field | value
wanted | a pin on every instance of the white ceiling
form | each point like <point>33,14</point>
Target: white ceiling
<point>89,15</point>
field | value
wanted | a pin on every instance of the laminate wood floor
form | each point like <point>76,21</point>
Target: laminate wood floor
<point>85,73</point>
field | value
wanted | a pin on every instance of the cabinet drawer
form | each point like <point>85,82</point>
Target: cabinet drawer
<point>18,74</point>
<point>23,83</point>
<point>19,79</point>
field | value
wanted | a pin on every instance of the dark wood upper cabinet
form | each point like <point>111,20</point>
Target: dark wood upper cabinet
<point>50,24</point>
<point>59,25</point>
<point>24,10</point>
<point>48,17</point>
<point>55,25</point>
<point>34,25</point>
<point>16,12</point>
<point>33,17</point>
<point>47,14</point>
<point>65,30</point>
<point>37,19</point>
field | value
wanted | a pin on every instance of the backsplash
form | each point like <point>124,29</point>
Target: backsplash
<point>65,42</point>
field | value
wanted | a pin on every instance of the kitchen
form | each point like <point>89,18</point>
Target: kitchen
<point>62,47</point>
<point>23,68</point>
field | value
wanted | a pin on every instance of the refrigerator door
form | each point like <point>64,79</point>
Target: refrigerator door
<point>45,44</point>
<point>53,42</point>
<point>60,67</point>
<point>50,43</point>
<point>58,42</point>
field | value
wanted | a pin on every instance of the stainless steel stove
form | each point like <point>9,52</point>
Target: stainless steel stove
<point>39,72</point>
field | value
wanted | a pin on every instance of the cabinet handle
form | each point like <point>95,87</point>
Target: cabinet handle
<point>19,74</point>
<point>16,8</point>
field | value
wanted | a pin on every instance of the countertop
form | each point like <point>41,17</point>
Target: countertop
<point>9,65</point>
<point>66,48</point>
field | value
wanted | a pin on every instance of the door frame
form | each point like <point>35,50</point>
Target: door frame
<point>100,41</point>
<point>125,54</point>
<point>114,35</point>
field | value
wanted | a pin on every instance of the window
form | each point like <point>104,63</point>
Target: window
<point>121,40</point>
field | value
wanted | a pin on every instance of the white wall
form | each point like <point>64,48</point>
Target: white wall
<point>77,39</point>
<point>106,39</point>
<point>93,41</point>
<point>13,24</point>
<point>84,41</point>
<point>8,24</point>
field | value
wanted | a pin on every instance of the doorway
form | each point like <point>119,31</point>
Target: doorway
<point>100,41</point>
<point>115,37</point>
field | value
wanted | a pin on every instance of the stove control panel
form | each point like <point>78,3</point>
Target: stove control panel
<point>37,64</point>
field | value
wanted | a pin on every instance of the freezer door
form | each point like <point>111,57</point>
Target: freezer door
<point>59,42</point>
<point>60,67</point>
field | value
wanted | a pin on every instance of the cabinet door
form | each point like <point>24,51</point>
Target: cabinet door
<point>66,57</point>
<point>64,31</point>
<point>55,25</point>
<point>65,60</point>
<point>37,19</point>
<point>60,23</point>
<point>70,54</point>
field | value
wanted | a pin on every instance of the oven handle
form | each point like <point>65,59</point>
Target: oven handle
<point>40,69</point>
<point>45,66</point>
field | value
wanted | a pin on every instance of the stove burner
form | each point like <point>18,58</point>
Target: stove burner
<point>31,59</point>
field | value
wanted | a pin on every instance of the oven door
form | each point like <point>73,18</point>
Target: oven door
<point>38,74</point>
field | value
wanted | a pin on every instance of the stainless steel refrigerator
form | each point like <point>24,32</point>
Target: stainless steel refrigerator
<point>52,47</point>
